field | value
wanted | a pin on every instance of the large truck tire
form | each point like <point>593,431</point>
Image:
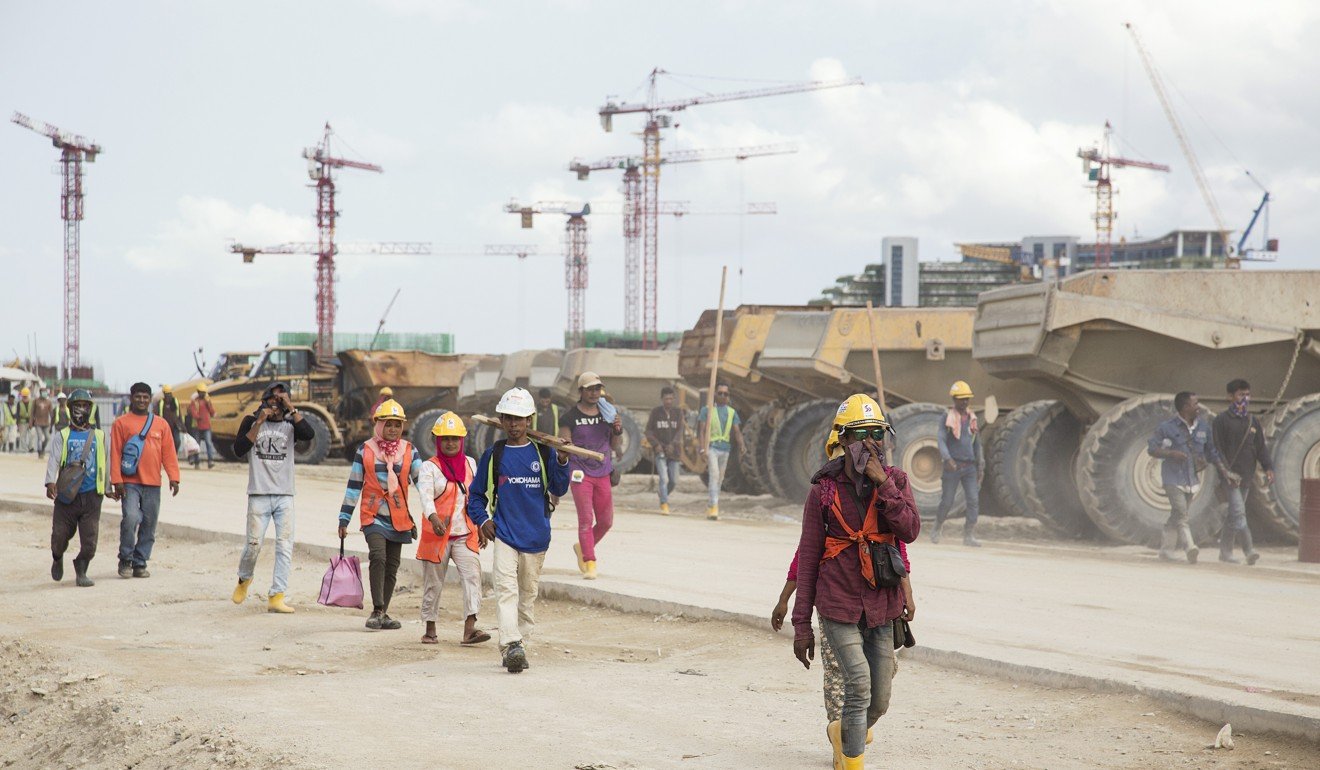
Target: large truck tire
<point>1003,450</point>
<point>630,445</point>
<point>797,448</point>
<point>1293,440</point>
<point>1119,482</point>
<point>313,451</point>
<point>991,505</point>
<point>756,430</point>
<point>480,438</point>
<point>917,453</point>
<point>421,432</point>
<point>1049,445</point>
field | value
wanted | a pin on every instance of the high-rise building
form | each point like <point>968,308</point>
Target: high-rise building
<point>902,271</point>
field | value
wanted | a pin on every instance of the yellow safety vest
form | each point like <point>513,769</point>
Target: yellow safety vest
<point>554,412</point>
<point>98,440</point>
<point>720,432</point>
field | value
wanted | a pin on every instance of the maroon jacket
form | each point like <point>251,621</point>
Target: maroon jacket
<point>836,588</point>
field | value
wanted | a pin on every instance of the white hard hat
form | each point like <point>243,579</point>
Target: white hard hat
<point>516,402</point>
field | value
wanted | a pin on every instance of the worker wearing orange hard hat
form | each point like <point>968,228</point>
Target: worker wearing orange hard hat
<point>959,440</point>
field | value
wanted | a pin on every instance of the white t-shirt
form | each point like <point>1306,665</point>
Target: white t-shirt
<point>431,483</point>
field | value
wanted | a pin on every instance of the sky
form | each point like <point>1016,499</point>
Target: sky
<point>966,129</point>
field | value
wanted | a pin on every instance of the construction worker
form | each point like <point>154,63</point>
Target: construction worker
<point>83,449</point>
<point>168,410</point>
<point>959,440</point>
<point>726,425</point>
<point>664,432</point>
<point>43,418</point>
<point>201,410</point>
<point>383,468</point>
<point>1183,444</point>
<point>24,419</point>
<point>593,423</point>
<point>449,534</point>
<point>510,502</point>
<point>1239,441</point>
<point>137,484</point>
<point>61,411</point>
<point>267,439</point>
<point>857,510</point>
<point>546,419</point>
<point>386,393</point>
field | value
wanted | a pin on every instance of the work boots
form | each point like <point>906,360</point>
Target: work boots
<point>275,603</point>
<point>125,569</point>
<point>969,539</point>
<point>935,531</point>
<point>241,590</point>
<point>1185,540</point>
<point>57,569</point>
<point>80,572</point>
<point>515,658</point>
<point>1168,543</point>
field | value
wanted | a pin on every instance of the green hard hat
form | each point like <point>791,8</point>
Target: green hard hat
<point>80,394</point>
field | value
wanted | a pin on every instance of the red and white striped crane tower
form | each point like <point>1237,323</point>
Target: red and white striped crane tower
<point>74,150</point>
<point>575,258</point>
<point>1096,163</point>
<point>658,116</point>
<point>633,206</point>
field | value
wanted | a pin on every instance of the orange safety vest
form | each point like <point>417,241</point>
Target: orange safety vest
<point>869,533</point>
<point>431,547</point>
<point>373,495</point>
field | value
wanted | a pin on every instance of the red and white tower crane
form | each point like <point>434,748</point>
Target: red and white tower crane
<point>575,258</point>
<point>633,207</point>
<point>659,115</point>
<point>74,150</point>
<point>1096,164</point>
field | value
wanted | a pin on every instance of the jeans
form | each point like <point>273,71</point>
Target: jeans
<point>517,579</point>
<point>205,440</point>
<point>1177,534</point>
<point>717,464</point>
<point>1235,523</point>
<point>668,471</point>
<point>42,439</point>
<point>382,569</point>
<point>966,477</point>
<point>261,510</point>
<point>137,530</point>
<point>594,499</point>
<point>866,658</point>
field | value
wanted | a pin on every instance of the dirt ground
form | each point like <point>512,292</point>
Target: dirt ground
<point>167,673</point>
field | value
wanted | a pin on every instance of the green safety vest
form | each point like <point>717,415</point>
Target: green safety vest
<point>554,412</point>
<point>98,439</point>
<point>720,432</point>
<point>24,411</point>
<point>160,405</point>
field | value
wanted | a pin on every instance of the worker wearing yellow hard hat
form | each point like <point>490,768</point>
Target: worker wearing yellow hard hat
<point>855,499</point>
<point>168,409</point>
<point>200,413</point>
<point>383,469</point>
<point>449,534</point>
<point>959,440</point>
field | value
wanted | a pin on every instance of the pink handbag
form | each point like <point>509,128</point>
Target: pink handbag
<point>342,584</point>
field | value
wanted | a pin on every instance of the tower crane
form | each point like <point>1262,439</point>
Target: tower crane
<point>633,206</point>
<point>575,257</point>
<point>659,115</point>
<point>74,149</point>
<point>1096,164</point>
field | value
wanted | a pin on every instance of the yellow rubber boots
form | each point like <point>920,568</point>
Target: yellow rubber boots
<point>240,591</point>
<point>276,604</point>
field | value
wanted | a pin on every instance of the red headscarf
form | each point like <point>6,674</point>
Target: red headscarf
<point>454,468</point>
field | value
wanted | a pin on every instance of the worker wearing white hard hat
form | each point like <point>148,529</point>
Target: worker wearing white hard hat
<point>510,501</point>
<point>959,441</point>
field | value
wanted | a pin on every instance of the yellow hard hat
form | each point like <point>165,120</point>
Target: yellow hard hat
<point>201,387</point>
<point>25,392</point>
<point>860,410</point>
<point>449,424</point>
<point>832,444</point>
<point>390,410</point>
<point>960,389</point>
<point>166,389</point>
<point>387,391</point>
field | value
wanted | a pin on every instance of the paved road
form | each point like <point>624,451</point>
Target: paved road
<point>1246,636</point>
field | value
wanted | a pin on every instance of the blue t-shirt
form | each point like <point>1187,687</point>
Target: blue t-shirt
<point>74,453</point>
<point>521,519</point>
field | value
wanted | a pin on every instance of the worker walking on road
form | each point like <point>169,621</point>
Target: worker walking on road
<point>959,439</point>
<point>664,432</point>
<point>593,423</point>
<point>267,439</point>
<point>1183,444</point>
<point>168,410</point>
<point>509,501</point>
<point>449,534</point>
<point>726,426</point>
<point>546,419</point>
<point>43,418</point>
<point>76,480</point>
<point>382,471</point>
<point>23,417</point>
<point>201,410</point>
<point>9,423</point>
<point>140,446</point>
<point>61,411</point>
<point>1240,441</point>
<point>850,570</point>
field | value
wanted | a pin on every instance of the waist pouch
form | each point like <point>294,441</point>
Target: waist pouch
<point>887,565</point>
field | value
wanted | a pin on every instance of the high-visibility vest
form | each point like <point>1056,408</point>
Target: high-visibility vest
<point>374,495</point>
<point>97,436</point>
<point>554,414</point>
<point>432,546</point>
<point>718,431</point>
<point>160,405</point>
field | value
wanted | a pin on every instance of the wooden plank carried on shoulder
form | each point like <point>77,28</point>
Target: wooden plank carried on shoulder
<point>554,442</point>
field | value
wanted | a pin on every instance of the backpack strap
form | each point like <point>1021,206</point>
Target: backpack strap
<point>146,426</point>
<point>492,468</point>
<point>545,480</point>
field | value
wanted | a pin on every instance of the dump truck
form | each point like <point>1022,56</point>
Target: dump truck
<point>1113,347</point>
<point>788,368</point>
<point>336,396</point>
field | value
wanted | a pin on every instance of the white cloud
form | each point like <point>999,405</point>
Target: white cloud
<point>204,228</point>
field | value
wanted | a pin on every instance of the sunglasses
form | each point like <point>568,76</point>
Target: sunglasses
<point>861,433</point>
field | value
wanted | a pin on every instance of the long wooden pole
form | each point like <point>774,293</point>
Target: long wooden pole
<point>715,364</point>
<point>875,358</point>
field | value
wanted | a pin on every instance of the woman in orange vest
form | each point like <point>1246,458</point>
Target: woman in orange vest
<point>448,534</point>
<point>383,514</point>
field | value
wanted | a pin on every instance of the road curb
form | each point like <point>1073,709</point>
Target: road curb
<point>1243,718</point>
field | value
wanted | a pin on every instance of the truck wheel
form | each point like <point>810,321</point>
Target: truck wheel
<point>1119,482</point>
<point>797,448</point>
<point>630,446</point>
<point>421,432</point>
<point>917,453</point>
<point>756,430</point>
<point>991,505</point>
<point>479,439</point>
<point>312,452</point>
<point>1003,450</point>
<point>1048,452</point>
<point>1293,439</point>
